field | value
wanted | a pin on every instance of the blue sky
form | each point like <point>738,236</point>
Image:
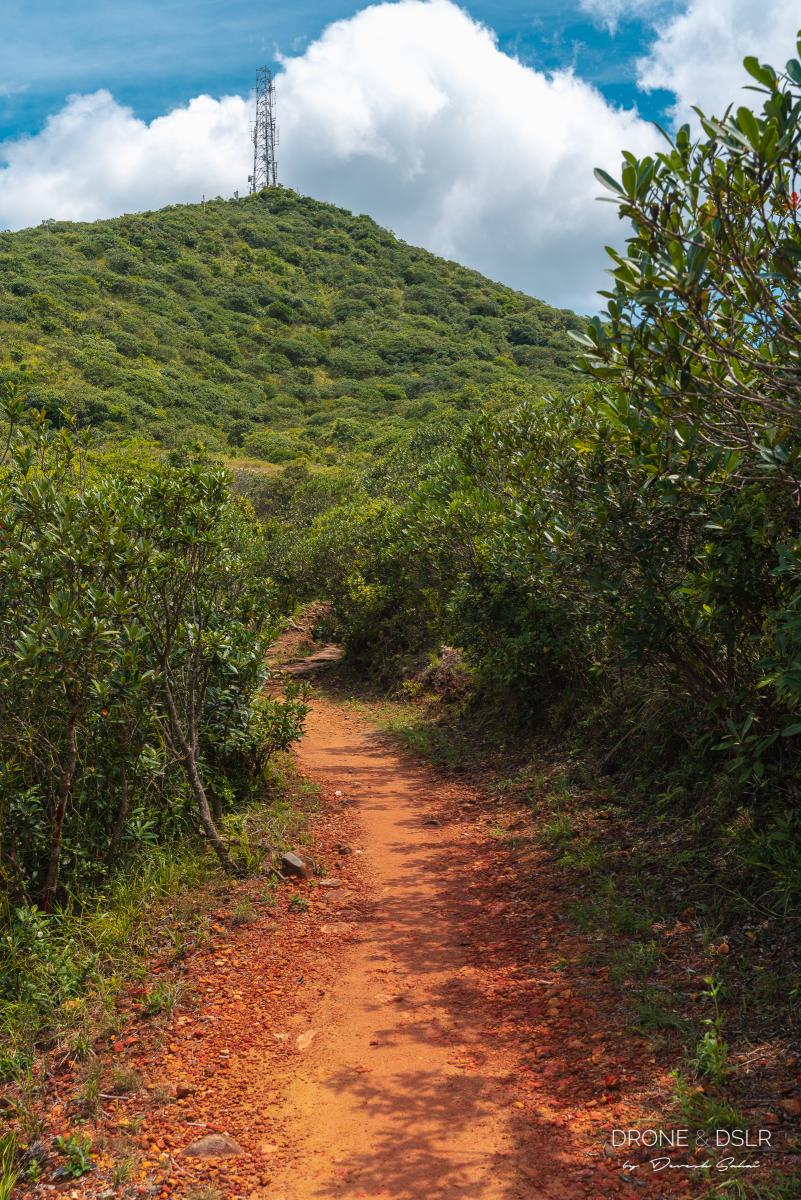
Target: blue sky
<point>477,145</point>
<point>156,54</point>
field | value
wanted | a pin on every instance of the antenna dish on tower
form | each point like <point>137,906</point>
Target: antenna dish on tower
<point>264,133</point>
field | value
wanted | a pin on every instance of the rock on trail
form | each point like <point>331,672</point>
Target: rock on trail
<point>213,1145</point>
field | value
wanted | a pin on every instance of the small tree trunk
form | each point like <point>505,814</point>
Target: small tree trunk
<point>122,814</point>
<point>196,783</point>
<point>64,791</point>
<point>205,814</point>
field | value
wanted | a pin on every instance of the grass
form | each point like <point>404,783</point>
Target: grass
<point>243,913</point>
<point>657,1012</point>
<point>638,958</point>
<point>705,1110</point>
<point>411,726</point>
<point>786,1187</point>
<point>164,997</point>
<point>605,910</point>
<point>558,831</point>
<point>9,1174</point>
<point>124,1080</point>
<point>89,1094</point>
<point>123,1170</point>
<point>62,975</point>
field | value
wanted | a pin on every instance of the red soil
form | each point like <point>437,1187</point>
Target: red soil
<point>430,1029</point>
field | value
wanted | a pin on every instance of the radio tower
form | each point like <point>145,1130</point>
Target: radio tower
<point>265,134</point>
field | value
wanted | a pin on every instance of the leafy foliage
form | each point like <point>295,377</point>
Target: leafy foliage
<point>133,626</point>
<point>272,326</point>
<point>629,554</point>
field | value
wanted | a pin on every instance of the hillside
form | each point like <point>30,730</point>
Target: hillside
<point>272,323</point>
<point>517,676</point>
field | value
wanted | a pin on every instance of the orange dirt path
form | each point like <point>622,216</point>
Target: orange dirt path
<point>421,1022</point>
<point>404,1089</point>
<point>440,1063</point>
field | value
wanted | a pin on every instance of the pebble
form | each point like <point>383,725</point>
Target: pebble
<point>213,1145</point>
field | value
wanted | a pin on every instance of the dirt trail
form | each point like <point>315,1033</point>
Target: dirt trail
<point>403,1091</point>
<point>418,1023</point>
<point>464,1046</point>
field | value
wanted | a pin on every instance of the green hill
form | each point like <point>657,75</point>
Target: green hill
<point>274,324</point>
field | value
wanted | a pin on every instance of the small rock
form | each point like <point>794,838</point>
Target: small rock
<point>792,1107</point>
<point>36,1153</point>
<point>335,883</point>
<point>304,1040</point>
<point>182,1090</point>
<point>214,1145</point>
<point>343,849</point>
<point>291,864</point>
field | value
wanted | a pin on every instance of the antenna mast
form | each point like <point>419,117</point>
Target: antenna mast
<point>264,132</point>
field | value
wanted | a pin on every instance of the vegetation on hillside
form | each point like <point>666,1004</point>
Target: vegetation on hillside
<point>614,554</point>
<point>272,326</point>
<point>626,555</point>
<point>134,622</point>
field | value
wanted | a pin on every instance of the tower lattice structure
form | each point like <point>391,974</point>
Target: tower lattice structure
<point>264,133</point>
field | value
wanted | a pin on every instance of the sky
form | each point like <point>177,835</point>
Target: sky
<point>471,129</point>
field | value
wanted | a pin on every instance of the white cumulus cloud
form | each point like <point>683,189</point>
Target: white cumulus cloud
<point>698,52</point>
<point>94,159</point>
<point>408,111</point>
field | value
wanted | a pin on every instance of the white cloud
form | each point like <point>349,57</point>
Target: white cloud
<point>410,112</point>
<point>407,111</point>
<point>95,159</point>
<point>698,53</point>
<point>610,12</point>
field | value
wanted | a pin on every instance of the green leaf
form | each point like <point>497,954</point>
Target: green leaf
<point>749,125</point>
<point>608,181</point>
<point>763,74</point>
<point>794,70</point>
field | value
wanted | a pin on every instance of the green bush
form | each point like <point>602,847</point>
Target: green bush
<point>271,446</point>
<point>628,556</point>
<point>134,619</point>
